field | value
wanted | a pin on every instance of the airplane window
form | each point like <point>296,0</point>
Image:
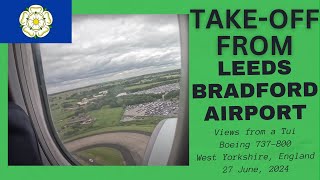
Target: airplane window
<point>109,89</point>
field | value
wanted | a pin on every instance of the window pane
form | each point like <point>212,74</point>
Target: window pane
<point>109,89</point>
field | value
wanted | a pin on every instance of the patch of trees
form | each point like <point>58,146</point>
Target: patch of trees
<point>107,100</point>
<point>53,105</point>
<point>115,90</point>
<point>77,96</point>
<point>172,94</point>
<point>152,78</point>
<point>137,99</point>
<point>94,106</point>
<point>122,101</point>
<point>79,111</point>
<point>66,105</point>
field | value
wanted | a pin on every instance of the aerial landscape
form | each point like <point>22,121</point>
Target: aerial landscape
<point>110,87</point>
<point>133,105</point>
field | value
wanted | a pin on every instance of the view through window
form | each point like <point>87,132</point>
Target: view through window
<point>109,89</point>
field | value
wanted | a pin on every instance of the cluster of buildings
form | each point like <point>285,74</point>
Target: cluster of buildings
<point>122,94</point>
<point>157,108</point>
<point>85,101</point>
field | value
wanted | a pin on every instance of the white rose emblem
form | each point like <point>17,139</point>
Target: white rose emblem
<point>35,21</point>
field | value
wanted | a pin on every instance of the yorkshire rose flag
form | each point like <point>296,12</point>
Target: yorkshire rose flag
<point>36,21</point>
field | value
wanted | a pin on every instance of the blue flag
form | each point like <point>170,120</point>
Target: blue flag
<point>36,21</point>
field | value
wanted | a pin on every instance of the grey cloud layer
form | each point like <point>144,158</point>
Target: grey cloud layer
<point>110,47</point>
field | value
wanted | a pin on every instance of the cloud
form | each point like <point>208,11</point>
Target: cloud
<point>111,47</point>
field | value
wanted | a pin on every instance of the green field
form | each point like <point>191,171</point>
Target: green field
<point>101,156</point>
<point>107,120</point>
<point>106,116</point>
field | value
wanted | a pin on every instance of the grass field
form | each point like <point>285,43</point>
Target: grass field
<point>108,120</point>
<point>106,116</point>
<point>101,156</point>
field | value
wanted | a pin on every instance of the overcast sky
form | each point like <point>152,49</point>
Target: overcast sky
<point>111,47</point>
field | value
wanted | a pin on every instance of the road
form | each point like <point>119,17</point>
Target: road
<point>127,142</point>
